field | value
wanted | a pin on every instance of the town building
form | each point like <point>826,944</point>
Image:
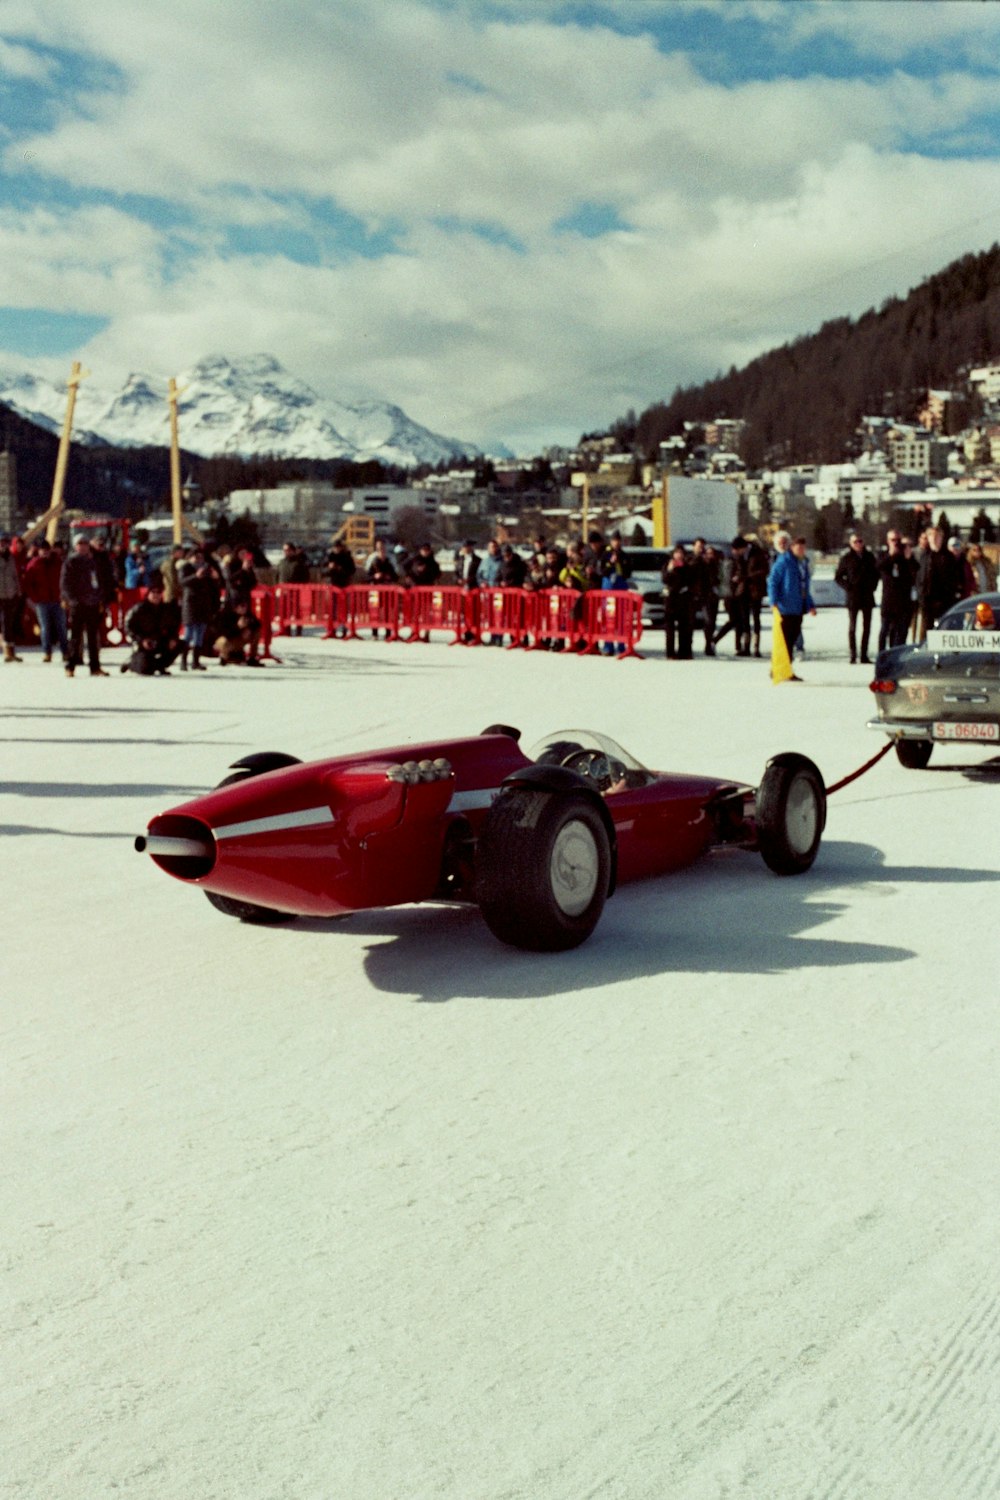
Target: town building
<point>986,382</point>
<point>8,492</point>
<point>920,453</point>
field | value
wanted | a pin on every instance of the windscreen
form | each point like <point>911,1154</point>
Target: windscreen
<point>554,749</point>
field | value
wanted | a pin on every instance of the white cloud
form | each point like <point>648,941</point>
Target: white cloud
<point>753,210</point>
<point>89,261</point>
<point>888,30</point>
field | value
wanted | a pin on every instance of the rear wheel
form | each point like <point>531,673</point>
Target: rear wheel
<point>914,754</point>
<point>543,869</point>
<point>246,911</point>
<point>791,814</point>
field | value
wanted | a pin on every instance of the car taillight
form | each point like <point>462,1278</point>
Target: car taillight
<point>882,685</point>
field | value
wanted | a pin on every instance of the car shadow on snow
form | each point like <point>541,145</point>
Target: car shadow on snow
<point>75,789</point>
<point>346,664</point>
<point>184,744</point>
<point>989,770</point>
<point>93,712</point>
<point>727,915</point>
<point>13,830</point>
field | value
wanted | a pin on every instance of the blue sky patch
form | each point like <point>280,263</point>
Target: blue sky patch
<point>591,220</point>
<point>494,234</point>
<point>37,331</point>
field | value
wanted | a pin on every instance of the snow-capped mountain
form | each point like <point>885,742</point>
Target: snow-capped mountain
<point>245,407</point>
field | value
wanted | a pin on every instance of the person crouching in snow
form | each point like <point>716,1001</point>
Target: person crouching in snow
<point>237,633</point>
<point>153,626</point>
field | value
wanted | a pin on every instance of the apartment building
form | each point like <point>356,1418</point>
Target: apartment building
<point>919,453</point>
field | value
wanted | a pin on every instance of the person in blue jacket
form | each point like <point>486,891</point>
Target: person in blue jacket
<point>788,586</point>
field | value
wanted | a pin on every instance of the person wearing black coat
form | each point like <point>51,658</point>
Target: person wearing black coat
<point>939,581</point>
<point>294,565</point>
<point>858,575</point>
<point>679,590</point>
<point>200,591</point>
<point>340,565</point>
<point>240,579</point>
<point>513,568</point>
<point>154,627</point>
<point>104,566</point>
<point>82,591</point>
<point>734,591</point>
<point>467,566</point>
<point>422,569</point>
<point>898,572</point>
<point>758,568</point>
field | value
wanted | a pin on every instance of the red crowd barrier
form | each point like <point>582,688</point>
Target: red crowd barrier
<point>430,608</point>
<point>262,601</point>
<point>613,618</point>
<point>287,607</point>
<point>375,606</point>
<point>338,615</point>
<point>558,620</point>
<point>503,612</point>
<point>299,604</point>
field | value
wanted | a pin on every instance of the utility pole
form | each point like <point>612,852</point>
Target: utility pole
<point>51,517</point>
<point>173,392</point>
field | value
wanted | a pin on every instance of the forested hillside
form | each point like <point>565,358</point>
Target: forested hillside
<point>802,402</point>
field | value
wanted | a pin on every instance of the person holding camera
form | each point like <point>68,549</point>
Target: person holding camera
<point>153,626</point>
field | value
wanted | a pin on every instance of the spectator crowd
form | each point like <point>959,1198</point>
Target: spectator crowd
<point>199,601</point>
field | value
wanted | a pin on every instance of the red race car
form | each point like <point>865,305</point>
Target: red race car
<point>537,839</point>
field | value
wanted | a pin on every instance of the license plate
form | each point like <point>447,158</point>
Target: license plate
<point>945,731</point>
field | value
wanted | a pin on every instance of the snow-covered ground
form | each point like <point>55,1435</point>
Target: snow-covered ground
<point>379,1209</point>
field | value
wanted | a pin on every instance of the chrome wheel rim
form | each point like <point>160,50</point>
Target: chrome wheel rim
<point>574,868</point>
<point>801,815</point>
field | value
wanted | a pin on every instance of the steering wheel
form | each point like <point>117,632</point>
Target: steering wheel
<point>605,771</point>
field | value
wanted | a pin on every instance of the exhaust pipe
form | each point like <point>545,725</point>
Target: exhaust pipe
<point>162,847</point>
<point>180,845</point>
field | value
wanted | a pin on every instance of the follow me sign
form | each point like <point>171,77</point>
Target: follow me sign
<point>963,640</point>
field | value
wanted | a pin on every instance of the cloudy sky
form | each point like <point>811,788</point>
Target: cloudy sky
<point>514,219</point>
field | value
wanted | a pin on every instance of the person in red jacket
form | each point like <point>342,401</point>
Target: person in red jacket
<point>41,586</point>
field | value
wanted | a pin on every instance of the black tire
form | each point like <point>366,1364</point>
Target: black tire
<point>914,754</point>
<point>246,911</point>
<point>543,869</point>
<point>791,814</point>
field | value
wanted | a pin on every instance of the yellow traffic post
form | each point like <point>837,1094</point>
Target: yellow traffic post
<point>661,516</point>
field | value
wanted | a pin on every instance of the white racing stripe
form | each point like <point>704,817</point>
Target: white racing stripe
<point>307,817</point>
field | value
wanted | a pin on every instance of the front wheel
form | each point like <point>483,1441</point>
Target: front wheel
<point>246,911</point>
<point>543,869</point>
<point>914,754</point>
<point>791,814</point>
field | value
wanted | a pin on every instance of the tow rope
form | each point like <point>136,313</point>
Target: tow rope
<point>846,780</point>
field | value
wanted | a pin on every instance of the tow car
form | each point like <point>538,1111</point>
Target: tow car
<point>947,689</point>
<point>537,839</point>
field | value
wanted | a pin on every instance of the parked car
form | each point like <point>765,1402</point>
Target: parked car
<point>537,839</point>
<point>947,688</point>
<point>826,591</point>
<point>647,565</point>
